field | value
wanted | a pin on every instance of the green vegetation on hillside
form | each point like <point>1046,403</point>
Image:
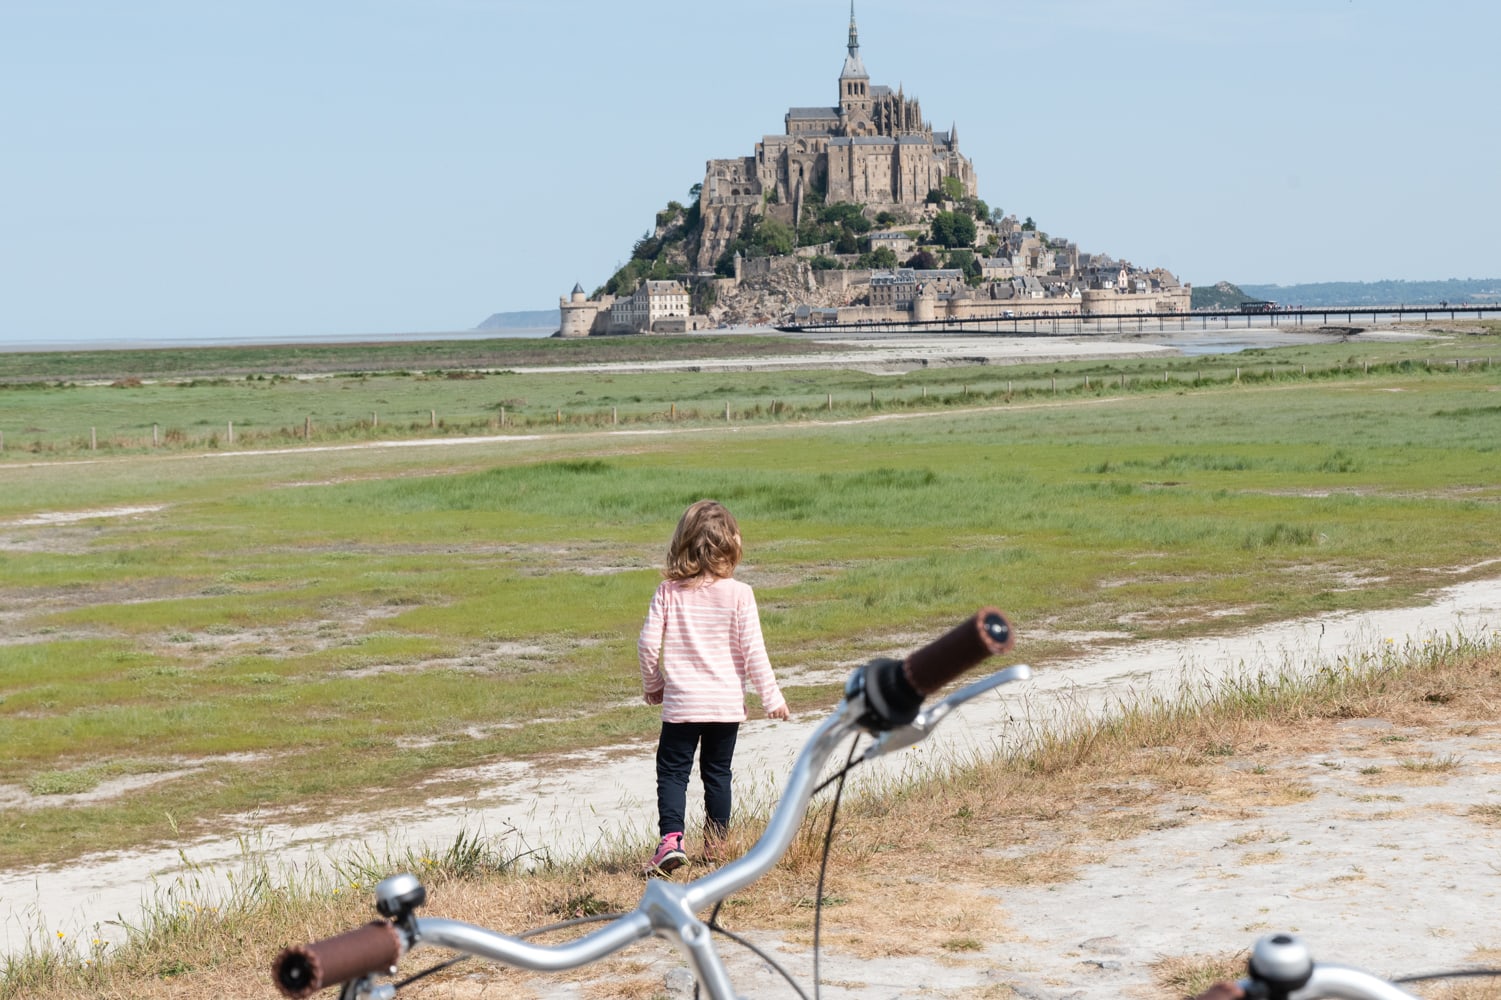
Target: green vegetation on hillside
<point>663,254</point>
<point>1454,291</point>
<point>1223,297</point>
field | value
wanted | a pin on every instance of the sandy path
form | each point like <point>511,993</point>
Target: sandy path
<point>1439,870</point>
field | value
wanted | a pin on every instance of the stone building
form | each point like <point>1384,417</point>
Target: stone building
<point>872,148</point>
<point>897,289</point>
<point>650,307</point>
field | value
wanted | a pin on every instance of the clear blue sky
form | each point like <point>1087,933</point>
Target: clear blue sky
<point>227,168</point>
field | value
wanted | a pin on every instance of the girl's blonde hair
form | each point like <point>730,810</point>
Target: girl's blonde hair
<point>705,543</point>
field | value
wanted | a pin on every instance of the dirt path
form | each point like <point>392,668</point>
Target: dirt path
<point>1340,875</point>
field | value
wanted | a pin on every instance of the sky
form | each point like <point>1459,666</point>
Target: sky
<point>220,169</point>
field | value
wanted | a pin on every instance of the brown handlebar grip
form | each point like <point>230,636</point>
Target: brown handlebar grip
<point>303,969</point>
<point>985,633</point>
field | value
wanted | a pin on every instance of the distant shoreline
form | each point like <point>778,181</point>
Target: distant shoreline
<point>312,340</point>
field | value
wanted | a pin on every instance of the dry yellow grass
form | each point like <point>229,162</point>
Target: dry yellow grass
<point>1034,817</point>
<point>1190,975</point>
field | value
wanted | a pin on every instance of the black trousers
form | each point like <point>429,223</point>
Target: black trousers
<point>715,743</point>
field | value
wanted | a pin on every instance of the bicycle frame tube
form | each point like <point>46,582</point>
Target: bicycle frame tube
<point>787,818</point>
<point>668,910</point>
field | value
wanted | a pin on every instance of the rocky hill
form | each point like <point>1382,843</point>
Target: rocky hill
<point>1455,291</point>
<point>1222,295</point>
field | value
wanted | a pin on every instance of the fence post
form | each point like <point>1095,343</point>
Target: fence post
<point>307,428</point>
<point>1055,387</point>
<point>374,420</point>
<point>560,416</point>
<point>727,411</point>
<point>502,416</point>
<point>614,415</point>
<point>231,435</point>
<point>432,418</point>
<point>2,440</point>
<point>830,403</point>
<point>872,397</point>
<point>93,439</point>
<point>1237,373</point>
<point>674,413</point>
<point>156,435</point>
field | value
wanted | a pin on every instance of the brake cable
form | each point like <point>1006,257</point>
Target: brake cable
<point>837,779</point>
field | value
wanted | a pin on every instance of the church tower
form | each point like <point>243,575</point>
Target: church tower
<point>854,86</point>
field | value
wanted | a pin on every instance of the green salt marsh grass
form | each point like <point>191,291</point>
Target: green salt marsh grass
<point>277,630</point>
<point>261,410</point>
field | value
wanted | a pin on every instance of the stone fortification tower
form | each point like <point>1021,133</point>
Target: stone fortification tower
<point>578,313</point>
<point>872,148</point>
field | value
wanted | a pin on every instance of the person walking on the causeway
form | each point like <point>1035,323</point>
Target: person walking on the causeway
<point>700,644</point>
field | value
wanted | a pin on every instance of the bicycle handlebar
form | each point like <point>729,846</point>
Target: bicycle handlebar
<point>984,634</point>
<point>878,699</point>
<point>302,970</point>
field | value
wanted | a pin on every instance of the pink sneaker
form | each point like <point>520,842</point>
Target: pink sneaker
<point>669,857</point>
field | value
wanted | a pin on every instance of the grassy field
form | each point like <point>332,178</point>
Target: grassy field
<point>271,630</point>
<point>148,401</point>
<point>265,632</point>
<point>425,356</point>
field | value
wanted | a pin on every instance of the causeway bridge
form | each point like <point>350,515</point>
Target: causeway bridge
<point>1049,324</point>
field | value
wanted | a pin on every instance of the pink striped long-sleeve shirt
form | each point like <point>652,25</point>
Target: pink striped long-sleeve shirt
<point>713,645</point>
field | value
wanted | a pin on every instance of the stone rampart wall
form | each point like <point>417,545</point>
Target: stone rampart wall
<point>1105,301</point>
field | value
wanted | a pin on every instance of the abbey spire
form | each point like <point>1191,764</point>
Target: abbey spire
<point>854,82</point>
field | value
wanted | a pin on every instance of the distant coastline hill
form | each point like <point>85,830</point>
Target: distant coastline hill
<point>536,319</point>
<point>1337,294</point>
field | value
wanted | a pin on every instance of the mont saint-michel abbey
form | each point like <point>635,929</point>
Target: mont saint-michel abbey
<point>929,251</point>
<point>872,148</point>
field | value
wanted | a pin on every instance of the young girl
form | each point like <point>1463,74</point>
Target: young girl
<point>701,642</point>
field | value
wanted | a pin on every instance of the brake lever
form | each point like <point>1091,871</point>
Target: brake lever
<point>931,715</point>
